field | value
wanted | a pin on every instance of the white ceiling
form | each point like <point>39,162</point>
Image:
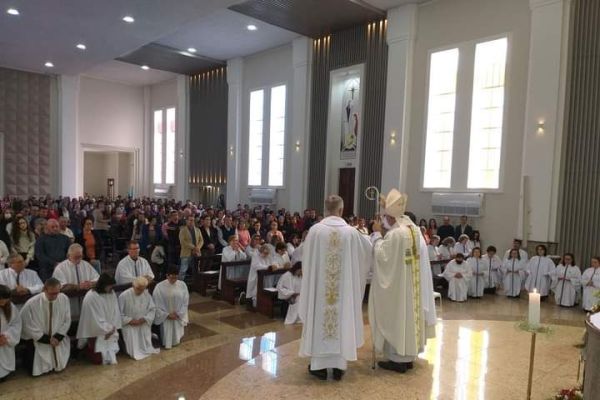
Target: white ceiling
<point>122,72</point>
<point>222,35</point>
<point>387,4</point>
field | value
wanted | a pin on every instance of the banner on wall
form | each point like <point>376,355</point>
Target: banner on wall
<point>350,119</point>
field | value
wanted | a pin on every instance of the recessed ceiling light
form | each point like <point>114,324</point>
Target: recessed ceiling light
<point>191,50</point>
<point>129,19</point>
<point>13,11</point>
<point>145,67</point>
<point>48,64</point>
<point>81,46</point>
<point>251,27</point>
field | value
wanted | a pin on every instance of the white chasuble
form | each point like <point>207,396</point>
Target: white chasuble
<point>335,261</point>
<point>138,338</point>
<point>73,274</point>
<point>128,269</point>
<point>42,317</point>
<point>401,308</point>
<point>11,330</point>
<point>171,298</point>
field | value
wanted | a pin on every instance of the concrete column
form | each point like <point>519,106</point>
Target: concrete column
<point>401,32</point>
<point>183,138</point>
<point>70,154</point>
<point>235,69</point>
<point>544,115</point>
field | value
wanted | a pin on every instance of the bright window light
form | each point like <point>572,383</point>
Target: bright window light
<point>170,148</point>
<point>277,136</point>
<point>158,146</point>
<point>255,145</point>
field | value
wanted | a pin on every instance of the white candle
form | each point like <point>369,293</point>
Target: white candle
<point>534,309</point>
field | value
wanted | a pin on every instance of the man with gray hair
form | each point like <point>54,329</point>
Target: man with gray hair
<point>75,273</point>
<point>336,260</point>
<point>18,279</point>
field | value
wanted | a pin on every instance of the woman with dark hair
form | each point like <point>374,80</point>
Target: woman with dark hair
<point>92,244</point>
<point>511,269</point>
<point>423,223</point>
<point>99,320</point>
<point>566,281</point>
<point>432,227</point>
<point>10,332</point>
<point>23,240</point>
<point>590,280</point>
<point>475,240</point>
<point>151,235</point>
<point>539,272</point>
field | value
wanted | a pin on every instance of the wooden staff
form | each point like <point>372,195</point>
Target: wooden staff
<point>373,193</point>
<point>531,359</point>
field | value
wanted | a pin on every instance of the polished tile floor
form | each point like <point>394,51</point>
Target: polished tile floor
<point>229,353</point>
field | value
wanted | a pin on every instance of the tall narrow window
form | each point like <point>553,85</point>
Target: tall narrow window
<point>487,114</point>
<point>440,119</point>
<point>158,146</point>
<point>255,143</point>
<point>170,148</point>
<point>277,136</point>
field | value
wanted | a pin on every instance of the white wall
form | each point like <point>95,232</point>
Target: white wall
<point>100,166</point>
<point>446,23</point>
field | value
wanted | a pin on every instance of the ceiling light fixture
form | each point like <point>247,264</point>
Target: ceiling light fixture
<point>251,27</point>
<point>13,11</point>
<point>145,67</point>
<point>191,50</point>
<point>48,64</point>
<point>129,19</point>
<point>81,46</point>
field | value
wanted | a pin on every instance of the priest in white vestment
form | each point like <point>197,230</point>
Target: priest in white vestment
<point>590,281</point>
<point>335,261</point>
<point>10,332</point>
<point>133,266</point>
<point>493,264</point>
<point>18,279</point>
<point>75,273</point>
<point>100,320</point>
<point>458,274</point>
<point>288,288</point>
<point>479,274</point>
<point>171,298</point>
<point>46,318</point>
<point>539,272</point>
<point>512,270</point>
<point>566,281</point>
<point>137,314</point>
<point>401,307</point>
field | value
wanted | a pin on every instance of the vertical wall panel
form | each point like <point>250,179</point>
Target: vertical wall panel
<point>208,135</point>
<point>361,44</point>
<point>580,186</point>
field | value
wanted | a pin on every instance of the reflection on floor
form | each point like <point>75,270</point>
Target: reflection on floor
<point>228,352</point>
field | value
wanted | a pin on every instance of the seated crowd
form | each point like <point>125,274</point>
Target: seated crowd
<point>57,256</point>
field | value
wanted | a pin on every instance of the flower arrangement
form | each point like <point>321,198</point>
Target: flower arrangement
<point>569,394</point>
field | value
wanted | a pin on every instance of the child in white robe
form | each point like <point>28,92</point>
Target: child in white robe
<point>263,261</point>
<point>463,246</point>
<point>10,332</point>
<point>288,288</point>
<point>566,281</point>
<point>137,313</point>
<point>590,281</point>
<point>512,269</point>
<point>171,298</point>
<point>457,273</point>
<point>478,280</point>
<point>493,264</point>
<point>434,253</point>
<point>447,249</point>
<point>539,272</point>
<point>99,322</point>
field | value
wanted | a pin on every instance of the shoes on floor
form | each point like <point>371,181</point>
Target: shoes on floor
<point>393,366</point>
<point>319,373</point>
<point>338,374</point>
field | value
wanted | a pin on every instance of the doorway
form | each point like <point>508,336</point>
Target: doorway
<point>101,166</point>
<point>346,189</point>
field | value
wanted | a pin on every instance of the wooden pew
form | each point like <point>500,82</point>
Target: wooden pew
<point>231,285</point>
<point>440,284</point>
<point>206,273</point>
<point>265,298</point>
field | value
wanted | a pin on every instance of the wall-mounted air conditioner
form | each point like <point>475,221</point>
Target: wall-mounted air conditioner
<point>263,197</point>
<point>469,204</point>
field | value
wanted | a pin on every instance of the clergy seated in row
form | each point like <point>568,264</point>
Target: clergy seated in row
<point>458,275</point>
<point>462,246</point>
<point>75,274</point>
<point>19,280</point>
<point>10,332</point>
<point>493,264</point>
<point>99,322</point>
<point>513,269</point>
<point>539,272</point>
<point>46,318</point>
<point>566,281</point>
<point>253,248</point>
<point>137,314</point>
<point>171,298</point>
<point>133,266</point>
<point>288,289</point>
<point>479,274</point>
<point>590,281</point>
<point>263,261</point>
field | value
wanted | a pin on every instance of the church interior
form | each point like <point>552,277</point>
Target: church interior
<point>199,199</point>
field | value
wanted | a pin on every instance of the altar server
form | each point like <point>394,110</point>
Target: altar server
<point>288,288</point>
<point>512,268</point>
<point>539,272</point>
<point>493,264</point>
<point>458,274</point>
<point>171,298</point>
<point>566,281</point>
<point>479,272</point>
<point>133,266</point>
<point>10,332</point>
<point>590,281</point>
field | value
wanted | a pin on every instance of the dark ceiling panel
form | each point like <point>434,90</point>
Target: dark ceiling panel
<point>312,18</point>
<point>167,58</point>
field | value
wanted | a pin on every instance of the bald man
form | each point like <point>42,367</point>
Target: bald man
<point>50,249</point>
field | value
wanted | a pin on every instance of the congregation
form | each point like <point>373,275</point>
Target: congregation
<point>96,276</point>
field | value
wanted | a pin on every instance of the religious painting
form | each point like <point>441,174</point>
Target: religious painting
<point>350,119</point>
